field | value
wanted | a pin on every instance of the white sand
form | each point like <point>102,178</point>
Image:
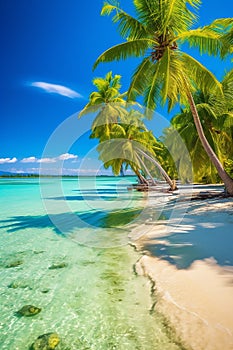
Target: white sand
<point>197,299</point>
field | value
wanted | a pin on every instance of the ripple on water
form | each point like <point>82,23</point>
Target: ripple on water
<point>91,297</point>
<point>94,301</point>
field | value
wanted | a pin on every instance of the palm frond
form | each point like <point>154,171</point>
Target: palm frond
<point>228,121</point>
<point>165,80</point>
<point>128,26</point>
<point>152,92</point>
<point>224,28</point>
<point>133,48</point>
<point>227,48</point>
<point>116,81</point>
<point>140,79</point>
<point>171,7</point>
<point>109,7</point>
<point>205,39</point>
<point>118,131</point>
<point>221,24</point>
<point>165,69</point>
<point>146,10</point>
<point>206,108</point>
<point>200,75</point>
<point>194,3</point>
<point>100,83</point>
<point>227,84</point>
<point>88,109</point>
<point>178,17</point>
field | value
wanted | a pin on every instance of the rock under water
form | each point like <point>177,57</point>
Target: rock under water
<point>48,341</point>
<point>28,310</point>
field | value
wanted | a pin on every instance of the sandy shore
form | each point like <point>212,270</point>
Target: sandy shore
<point>194,279</point>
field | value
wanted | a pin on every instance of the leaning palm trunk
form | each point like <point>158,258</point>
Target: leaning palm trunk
<point>141,178</point>
<point>228,181</point>
<point>146,170</point>
<point>171,182</point>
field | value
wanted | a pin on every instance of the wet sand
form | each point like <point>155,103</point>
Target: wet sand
<point>194,290</point>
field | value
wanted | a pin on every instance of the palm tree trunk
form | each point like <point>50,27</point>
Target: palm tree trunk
<point>171,182</point>
<point>146,170</point>
<point>141,178</point>
<point>228,181</point>
<point>122,170</point>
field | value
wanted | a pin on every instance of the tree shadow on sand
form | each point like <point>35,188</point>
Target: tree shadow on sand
<point>197,237</point>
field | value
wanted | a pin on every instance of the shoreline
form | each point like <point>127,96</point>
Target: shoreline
<point>196,299</point>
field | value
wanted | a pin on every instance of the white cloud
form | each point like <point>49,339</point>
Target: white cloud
<point>13,160</point>
<point>46,160</point>
<point>56,89</point>
<point>19,171</point>
<point>29,160</point>
<point>66,156</point>
<point>8,160</point>
<point>37,162</point>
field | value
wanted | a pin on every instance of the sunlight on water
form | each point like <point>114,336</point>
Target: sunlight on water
<point>89,296</point>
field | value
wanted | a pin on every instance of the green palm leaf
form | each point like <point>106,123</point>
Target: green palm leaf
<point>152,91</point>
<point>88,109</point>
<point>132,48</point>
<point>128,26</point>
<point>140,79</point>
<point>201,76</point>
<point>206,108</point>
<point>167,74</point>
<point>205,40</point>
<point>221,24</point>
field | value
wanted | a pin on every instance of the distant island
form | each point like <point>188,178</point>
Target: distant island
<point>6,174</point>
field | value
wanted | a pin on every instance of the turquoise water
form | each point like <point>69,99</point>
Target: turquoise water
<point>94,300</point>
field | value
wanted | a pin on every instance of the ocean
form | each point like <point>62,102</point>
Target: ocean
<point>65,249</point>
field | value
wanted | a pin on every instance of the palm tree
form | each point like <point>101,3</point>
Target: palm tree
<point>216,115</point>
<point>112,109</point>
<point>166,73</point>
<point>132,144</point>
<point>107,102</point>
<point>110,106</point>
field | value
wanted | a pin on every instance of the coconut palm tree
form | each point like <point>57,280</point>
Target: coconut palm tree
<point>110,106</point>
<point>166,73</point>
<point>107,102</point>
<point>112,109</point>
<point>216,116</point>
<point>132,144</point>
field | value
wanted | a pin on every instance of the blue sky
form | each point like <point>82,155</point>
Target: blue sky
<point>48,48</point>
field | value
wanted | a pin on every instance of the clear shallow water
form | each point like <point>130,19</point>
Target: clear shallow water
<point>95,301</point>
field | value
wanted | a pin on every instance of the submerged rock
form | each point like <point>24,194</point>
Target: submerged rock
<point>28,310</point>
<point>45,290</point>
<point>19,284</point>
<point>58,266</point>
<point>14,263</point>
<point>48,341</point>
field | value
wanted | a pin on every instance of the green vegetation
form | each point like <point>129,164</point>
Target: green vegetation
<point>216,116</point>
<point>169,75</point>
<point>123,137</point>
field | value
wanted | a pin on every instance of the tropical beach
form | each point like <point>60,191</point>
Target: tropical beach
<point>177,284</point>
<point>192,271</point>
<point>116,176</point>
